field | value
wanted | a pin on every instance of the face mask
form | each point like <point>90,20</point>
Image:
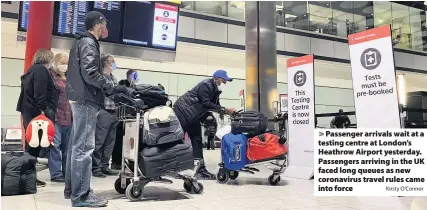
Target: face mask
<point>62,68</point>
<point>221,87</point>
<point>113,66</point>
<point>104,32</point>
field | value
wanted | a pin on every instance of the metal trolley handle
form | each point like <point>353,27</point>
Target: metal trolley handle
<point>135,103</point>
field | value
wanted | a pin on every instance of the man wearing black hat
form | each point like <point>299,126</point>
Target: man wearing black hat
<point>191,107</point>
<point>86,86</point>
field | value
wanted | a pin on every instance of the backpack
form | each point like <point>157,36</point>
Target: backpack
<point>151,95</point>
<point>233,151</point>
<point>265,146</point>
<point>18,174</point>
<point>251,123</point>
<point>161,126</point>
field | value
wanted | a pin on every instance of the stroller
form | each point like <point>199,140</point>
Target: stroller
<point>142,163</point>
<point>280,162</point>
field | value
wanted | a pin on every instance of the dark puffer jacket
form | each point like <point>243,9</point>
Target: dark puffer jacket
<point>85,81</point>
<point>193,104</point>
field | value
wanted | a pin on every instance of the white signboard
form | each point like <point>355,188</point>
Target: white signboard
<point>374,79</point>
<point>283,103</point>
<point>165,25</point>
<point>301,116</point>
<point>13,134</point>
<point>242,100</point>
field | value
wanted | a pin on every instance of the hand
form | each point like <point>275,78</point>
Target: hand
<point>230,111</point>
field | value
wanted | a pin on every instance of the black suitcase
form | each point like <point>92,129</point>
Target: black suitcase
<point>159,160</point>
<point>250,123</point>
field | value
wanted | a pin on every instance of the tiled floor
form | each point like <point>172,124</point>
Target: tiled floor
<point>247,192</point>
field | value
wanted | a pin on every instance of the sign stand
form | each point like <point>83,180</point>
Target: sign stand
<point>242,100</point>
<point>301,117</point>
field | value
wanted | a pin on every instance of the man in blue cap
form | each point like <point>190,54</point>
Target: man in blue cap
<point>191,106</point>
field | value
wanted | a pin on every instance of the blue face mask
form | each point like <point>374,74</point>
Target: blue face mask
<point>113,66</point>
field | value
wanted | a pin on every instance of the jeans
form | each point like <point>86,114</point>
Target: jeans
<point>79,157</point>
<point>105,137</point>
<point>58,153</point>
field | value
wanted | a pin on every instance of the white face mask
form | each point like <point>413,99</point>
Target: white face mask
<point>62,68</point>
<point>221,87</point>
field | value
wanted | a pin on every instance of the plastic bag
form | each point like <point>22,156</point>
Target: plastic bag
<point>223,131</point>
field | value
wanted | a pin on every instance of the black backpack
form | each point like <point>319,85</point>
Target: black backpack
<point>18,174</point>
<point>250,123</point>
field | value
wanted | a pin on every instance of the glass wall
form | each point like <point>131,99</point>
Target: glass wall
<point>338,18</point>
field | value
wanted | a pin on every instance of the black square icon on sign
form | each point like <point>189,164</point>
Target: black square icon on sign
<point>166,13</point>
<point>300,78</point>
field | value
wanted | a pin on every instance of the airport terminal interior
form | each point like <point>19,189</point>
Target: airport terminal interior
<point>203,37</point>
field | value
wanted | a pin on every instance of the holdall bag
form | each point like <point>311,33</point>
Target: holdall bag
<point>161,126</point>
<point>151,95</point>
<point>265,146</point>
<point>233,151</point>
<point>251,123</point>
<point>18,174</point>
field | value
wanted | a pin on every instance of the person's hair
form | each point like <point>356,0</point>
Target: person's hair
<point>129,72</point>
<point>104,59</point>
<point>59,56</point>
<point>43,56</point>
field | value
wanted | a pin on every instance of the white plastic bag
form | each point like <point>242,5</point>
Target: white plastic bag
<point>223,131</point>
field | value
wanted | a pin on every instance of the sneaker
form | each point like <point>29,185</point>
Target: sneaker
<point>92,201</point>
<point>58,179</point>
<point>204,174</point>
<point>109,172</point>
<point>40,183</point>
<point>116,167</point>
<point>98,173</point>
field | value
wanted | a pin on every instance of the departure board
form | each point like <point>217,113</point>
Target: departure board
<point>71,17</point>
<point>112,10</point>
<point>23,16</point>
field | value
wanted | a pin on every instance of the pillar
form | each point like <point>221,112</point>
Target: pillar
<point>39,34</point>
<point>261,58</point>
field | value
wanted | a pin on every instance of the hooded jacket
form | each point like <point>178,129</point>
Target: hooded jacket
<point>85,81</point>
<point>193,104</point>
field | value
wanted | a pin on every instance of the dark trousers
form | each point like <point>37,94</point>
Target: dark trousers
<point>211,142</point>
<point>105,137</point>
<point>194,132</point>
<point>116,158</point>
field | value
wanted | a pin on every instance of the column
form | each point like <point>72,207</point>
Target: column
<point>261,59</point>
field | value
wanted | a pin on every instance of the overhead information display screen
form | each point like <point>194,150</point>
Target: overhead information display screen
<point>71,17</point>
<point>137,23</point>
<point>165,25</point>
<point>112,10</point>
<point>23,16</point>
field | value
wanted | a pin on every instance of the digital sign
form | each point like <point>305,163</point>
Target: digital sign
<point>165,25</point>
<point>112,10</point>
<point>71,17</point>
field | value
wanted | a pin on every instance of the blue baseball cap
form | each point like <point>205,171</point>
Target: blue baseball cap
<point>223,75</point>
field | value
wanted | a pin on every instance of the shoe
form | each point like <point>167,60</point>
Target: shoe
<point>67,196</point>
<point>92,201</point>
<point>58,179</point>
<point>204,174</point>
<point>40,183</point>
<point>109,172</point>
<point>116,167</point>
<point>98,173</point>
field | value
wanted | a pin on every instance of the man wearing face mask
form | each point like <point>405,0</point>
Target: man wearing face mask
<point>86,86</point>
<point>106,126</point>
<point>190,107</point>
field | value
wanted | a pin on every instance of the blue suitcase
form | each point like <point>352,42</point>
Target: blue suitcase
<point>233,151</point>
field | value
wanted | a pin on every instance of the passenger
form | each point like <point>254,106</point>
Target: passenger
<point>340,121</point>
<point>106,126</point>
<point>211,125</point>
<point>86,85</point>
<point>116,159</point>
<point>191,106</point>
<point>39,95</point>
<point>63,122</point>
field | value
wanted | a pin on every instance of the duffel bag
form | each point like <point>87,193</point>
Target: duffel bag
<point>251,123</point>
<point>161,126</point>
<point>233,151</point>
<point>265,146</point>
<point>18,174</point>
<point>151,95</point>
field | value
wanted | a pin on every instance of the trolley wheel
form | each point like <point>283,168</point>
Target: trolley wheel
<point>118,185</point>
<point>222,177</point>
<point>197,188</point>
<point>187,186</point>
<point>233,175</point>
<point>273,181</point>
<point>134,193</point>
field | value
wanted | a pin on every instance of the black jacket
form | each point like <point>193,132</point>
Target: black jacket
<point>340,121</point>
<point>193,104</point>
<point>39,92</point>
<point>125,82</point>
<point>85,80</point>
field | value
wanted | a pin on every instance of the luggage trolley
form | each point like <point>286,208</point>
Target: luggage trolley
<point>224,174</point>
<point>132,181</point>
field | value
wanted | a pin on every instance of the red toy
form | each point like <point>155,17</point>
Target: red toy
<point>47,127</point>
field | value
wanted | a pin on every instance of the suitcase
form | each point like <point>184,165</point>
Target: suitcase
<point>233,151</point>
<point>159,160</point>
<point>250,123</point>
<point>265,146</point>
<point>161,126</point>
